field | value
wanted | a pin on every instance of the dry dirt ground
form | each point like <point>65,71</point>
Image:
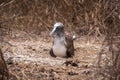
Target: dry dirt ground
<point>29,59</point>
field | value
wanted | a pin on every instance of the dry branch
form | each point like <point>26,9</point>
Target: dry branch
<point>4,74</point>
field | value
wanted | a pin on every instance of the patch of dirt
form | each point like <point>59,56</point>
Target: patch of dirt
<point>29,59</point>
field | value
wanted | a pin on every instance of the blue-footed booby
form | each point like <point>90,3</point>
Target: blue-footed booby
<point>63,45</point>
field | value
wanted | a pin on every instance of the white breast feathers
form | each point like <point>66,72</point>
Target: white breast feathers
<point>59,48</point>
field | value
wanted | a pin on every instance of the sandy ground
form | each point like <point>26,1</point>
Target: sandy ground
<point>29,59</point>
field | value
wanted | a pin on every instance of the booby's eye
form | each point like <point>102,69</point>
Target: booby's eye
<point>57,29</point>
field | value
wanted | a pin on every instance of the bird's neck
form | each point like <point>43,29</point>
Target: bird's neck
<point>60,35</point>
<point>60,38</point>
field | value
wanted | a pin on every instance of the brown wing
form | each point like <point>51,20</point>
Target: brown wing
<point>4,74</point>
<point>51,52</point>
<point>70,46</point>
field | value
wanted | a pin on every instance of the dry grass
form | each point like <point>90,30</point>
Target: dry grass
<point>29,59</point>
<point>26,24</point>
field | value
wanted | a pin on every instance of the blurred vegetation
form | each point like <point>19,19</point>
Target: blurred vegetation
<point>85,17</point>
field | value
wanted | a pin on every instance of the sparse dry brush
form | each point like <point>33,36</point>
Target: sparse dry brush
<point>84,17</point>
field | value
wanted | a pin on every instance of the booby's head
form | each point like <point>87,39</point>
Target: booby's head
<point>58,30</point>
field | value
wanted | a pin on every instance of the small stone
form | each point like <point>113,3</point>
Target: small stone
<point>10,61</point>
<point>72,73</point>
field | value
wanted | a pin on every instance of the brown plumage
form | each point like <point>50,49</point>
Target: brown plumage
<point>69,46</point>
<point>63,45</point>
<point>4,74</point>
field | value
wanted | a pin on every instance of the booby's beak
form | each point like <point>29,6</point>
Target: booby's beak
<point>53,32</point>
